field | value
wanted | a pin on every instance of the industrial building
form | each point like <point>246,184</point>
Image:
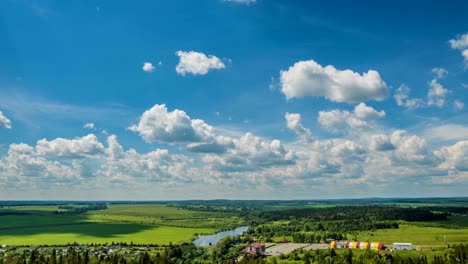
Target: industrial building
<point>402,246</point>
<point>357,245</point>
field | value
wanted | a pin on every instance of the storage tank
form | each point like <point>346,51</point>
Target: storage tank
<point>376,246</point>
<point>364,245</point>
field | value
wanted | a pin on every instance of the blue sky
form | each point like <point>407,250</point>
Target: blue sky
<point>237,99</point>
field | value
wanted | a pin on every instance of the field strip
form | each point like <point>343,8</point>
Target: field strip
<point>44,225</point>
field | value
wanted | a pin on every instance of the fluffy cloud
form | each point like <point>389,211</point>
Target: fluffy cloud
<point>197,63</point>
<point>380,143</point>
<point>251,153</point>
<point>293,122</point>
<point>308,78</point>
<point>454,157</point>
<point>436,96</point>
<point>4,121</point>
<point>89,126</point>
<point>440,72</point>
<point>337,121</point>
<point>160,125</point>
<point>437,93</point>
<point>363,111</point>
<point>402,98</point>
<point>411,149</point>
<point>461,43</point>
<point>80,147</point>
<point>148,67</point>
<point>447,132</point>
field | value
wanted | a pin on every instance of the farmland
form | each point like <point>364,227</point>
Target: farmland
<point>138,223</point>
<point>304,225</point>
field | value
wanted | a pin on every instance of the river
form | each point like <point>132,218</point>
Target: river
<point>213,239</point>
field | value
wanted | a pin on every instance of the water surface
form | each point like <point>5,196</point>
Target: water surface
<point>213,239</point>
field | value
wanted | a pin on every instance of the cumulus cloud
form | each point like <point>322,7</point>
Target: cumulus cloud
<point>337,121</point>
<point>460,43</point>
<point>160,125</point>
<point>363,111</point>
<point>308,78</point>
<point>437,93</point>
<point>197,63</point>
<point>148,67</point>
<point>447,132</point>
<point>252,153</point>
<point>80,147</point>
<point>440,72</point>
<point>89,126</point>
<point>436,96</point>
<point>381,143</point>
<point>454,157</point>
<point>4,121</point>
<point>411,149</point>
<point>402,98</point>
<point>293,122</point>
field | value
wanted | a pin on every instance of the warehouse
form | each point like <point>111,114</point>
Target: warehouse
<point>402,246</point>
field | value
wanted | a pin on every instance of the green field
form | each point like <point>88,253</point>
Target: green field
<point>418,235</point>
<point>137,223</point>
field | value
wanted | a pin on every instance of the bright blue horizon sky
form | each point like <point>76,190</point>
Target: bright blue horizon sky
<point>233,99</point>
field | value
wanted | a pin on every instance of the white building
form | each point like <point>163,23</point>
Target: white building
<point>402,246</point>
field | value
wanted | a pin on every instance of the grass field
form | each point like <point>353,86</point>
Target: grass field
<point>138,223</point>
<point>418,235</point>
<point>99,233</point>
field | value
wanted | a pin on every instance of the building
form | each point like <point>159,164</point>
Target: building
<point>255,250</point>
<point>402,246</point>
<point>357,245</point>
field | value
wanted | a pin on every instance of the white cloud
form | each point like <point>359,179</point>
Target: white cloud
<point>437,93</point>
<point>308,78</point>
<point>363,111</point>
<point>402,98</point>
<point>89,126</point>
<point>411,149</point>
<point>440,72</point>
<point>380,143</point>
<point>4,121</point>
<point>158,124</point>
<point>461,43</point>
<point>447,132</point>
<point>246,2</point>
<point>455,156</point>
<point>148,67</point>
<point>464,85</point>
<point>293,122</point>
<point>436,96</point>
<point>72,148</point>
<point>251,153</point>
<point>337,121</point>
<point>459,104</point>
<point>197,63</point>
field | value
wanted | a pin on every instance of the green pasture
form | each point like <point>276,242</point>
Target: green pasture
<point>138,223</point>
<point>99,233</point>
<point>425,236</point>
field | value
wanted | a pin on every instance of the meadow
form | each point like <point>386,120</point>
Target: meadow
<point>137,223</point>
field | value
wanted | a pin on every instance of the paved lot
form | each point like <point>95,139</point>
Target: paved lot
<point>284,248</point>
<point>317,246</point>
